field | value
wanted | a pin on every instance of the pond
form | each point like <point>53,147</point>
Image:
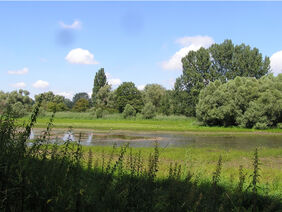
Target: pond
<point>165,139</point>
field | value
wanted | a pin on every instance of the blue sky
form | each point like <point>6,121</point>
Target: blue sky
<point>59,46</point>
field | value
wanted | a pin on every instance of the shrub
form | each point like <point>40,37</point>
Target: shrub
<point>19,110</point>
<point>81,105</point>
<point>244,101</point>
<point>99,113</point>
<point>149,111</point>
<point>129,111</point>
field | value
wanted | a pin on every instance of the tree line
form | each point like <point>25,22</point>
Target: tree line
<point>225,85</point>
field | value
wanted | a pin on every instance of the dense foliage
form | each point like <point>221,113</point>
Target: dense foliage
<point>154,93</point>
<point>149,111</point>
<point>244,101</point>
<point>50,101</point>
<point>81,95</point>
<point>129,111</point>
<point>222,62</point>
<point>127,93</point>
<point>105,98</point>
<point>81,105</point>
<point>100,80</point>
<point>20,102</point>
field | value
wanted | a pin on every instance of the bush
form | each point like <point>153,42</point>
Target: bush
<point>261,126</point>
<point>129,111</point>
<point>244,102</point>
<point>81,105</point>
<point>19,110</point>
<point>149,111</point>
<point>52,106</point>
<point>99,113</point>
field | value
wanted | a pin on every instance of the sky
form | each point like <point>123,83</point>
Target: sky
<point>59,46</point>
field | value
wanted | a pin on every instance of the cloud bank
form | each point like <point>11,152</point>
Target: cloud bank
<point>276,63</point>
<point>189,44</point>
<point>80,56</point>
<point>40,84</point>
<point>113,81</point>
<point>140,87</point>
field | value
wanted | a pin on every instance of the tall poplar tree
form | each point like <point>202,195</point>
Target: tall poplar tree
<point>100,80</point>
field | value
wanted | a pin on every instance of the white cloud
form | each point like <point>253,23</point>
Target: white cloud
<point>140,87</point>
<point>41,84</point>
<point>18,85</point>
<point>276,63</point>
<point>75,25</point>
<point>204,41</point>
<point>80,56</point>
<point>19,72</point>
<point>65,94</point>
<point>190,44</point>
<point>113,81</point>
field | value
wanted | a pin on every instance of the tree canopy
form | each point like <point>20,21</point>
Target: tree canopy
<point>244,101</point>
<point>127,93</point>
<point>221,62</point>
<point>153,93</point>
<point>100,80</point>
<point>81,95</point>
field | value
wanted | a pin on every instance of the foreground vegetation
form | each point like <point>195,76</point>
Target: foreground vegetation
<point>68,177</point>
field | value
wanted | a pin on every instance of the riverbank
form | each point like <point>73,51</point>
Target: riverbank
<point>168,124</point>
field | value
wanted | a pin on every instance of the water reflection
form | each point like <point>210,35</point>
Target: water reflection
<point>147,139</point>
<point>31,136</point>
<point>89,139</point>
<point>68,136</point>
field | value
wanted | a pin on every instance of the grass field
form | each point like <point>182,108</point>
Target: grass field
<point>116,122</point>
<point>202,163</point>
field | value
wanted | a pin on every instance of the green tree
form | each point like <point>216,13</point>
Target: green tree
<point>127,93</point>
<point>50,100</point>
<point>129,111</point>
<point>166,103</point>
<point>81,105</point>
<point>80,95</point>
<point>100,80</point>
<point>19,101</point>
<point>154,93</point>
<point>149,111</point>
<point>219,62</point>
<point>103,97</point>
<point>244,101</point>
<point>53,106</point>
<point>19,110</point>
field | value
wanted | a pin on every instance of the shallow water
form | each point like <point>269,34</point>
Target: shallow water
<point>147,139</point>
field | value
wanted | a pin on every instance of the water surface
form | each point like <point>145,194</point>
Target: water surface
<point>148,139</point>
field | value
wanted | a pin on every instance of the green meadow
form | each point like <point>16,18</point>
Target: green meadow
<point>202,162</point>
<point>116,122</point>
